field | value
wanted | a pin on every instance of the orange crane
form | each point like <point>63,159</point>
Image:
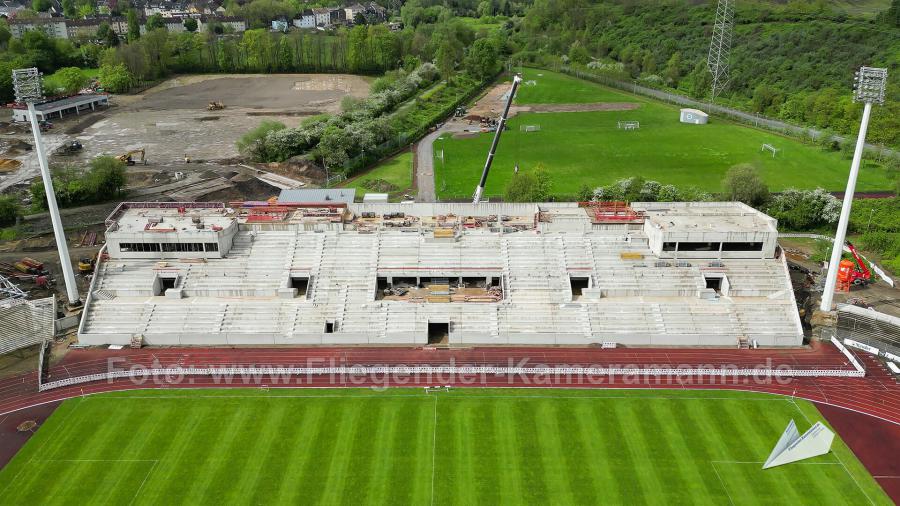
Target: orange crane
<point>853,273</point>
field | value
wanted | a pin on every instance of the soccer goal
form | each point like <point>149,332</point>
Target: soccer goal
<point>769,147</point>
<point>628,125</point>
<point>530,128</point>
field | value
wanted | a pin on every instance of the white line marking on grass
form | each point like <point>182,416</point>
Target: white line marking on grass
<point>635,397</point>
<point>793,463</point>
<point>838,458</point>
<point>38,451</point>
<point>723,484</point>
<point>138,491</point>
<point>434,449</point>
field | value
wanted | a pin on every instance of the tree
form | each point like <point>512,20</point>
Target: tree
<point>115,78</point>
<point>154,22</point>
<point>483,61</point>
<point>134,28</point>
<point>485,8</point>
<point>9,211</point>
<point>697,83</point>
<point>190,24</point>
<point>71,79</point>
<point>68,7</point>
<point>85,10</point>
<point>531,186</point>
<point>743,183</point>
<point>672,72</point>
<point>106,178</point>
<point>445,59</point>
<point>253,143</point>
<point>40,5</point>
<point>112,38</point>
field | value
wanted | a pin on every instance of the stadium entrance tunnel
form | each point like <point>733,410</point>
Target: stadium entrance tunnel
<point>438,332</point>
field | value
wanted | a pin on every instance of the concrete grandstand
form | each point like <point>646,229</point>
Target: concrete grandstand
<point>490,274</point>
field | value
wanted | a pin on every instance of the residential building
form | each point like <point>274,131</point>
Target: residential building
<point>305,19</point>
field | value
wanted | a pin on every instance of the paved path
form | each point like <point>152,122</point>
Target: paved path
<point>425,160</point>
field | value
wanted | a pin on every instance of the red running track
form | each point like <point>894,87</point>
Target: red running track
<point>877,394</point>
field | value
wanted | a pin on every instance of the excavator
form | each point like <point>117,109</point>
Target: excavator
<point>128,158</point>
<point>215,106</point>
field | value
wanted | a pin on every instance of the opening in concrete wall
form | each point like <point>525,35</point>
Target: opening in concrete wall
<point>164,282</point>
<point>698,246</point>
<point>579,284</point>
<point>716,281</point>
<point>301,283</point>
<point>329,327</point>
<point>742,246</point>
<point>438,333</point>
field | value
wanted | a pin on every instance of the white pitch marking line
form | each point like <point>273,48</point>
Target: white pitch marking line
<point>434,449</point>
<point>723,484</point>
<point>138,491</point>
<point>839,459</point>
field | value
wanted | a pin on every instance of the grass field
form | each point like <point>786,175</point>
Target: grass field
<point>587,148</point>
<point>396,170</point>
<point>401,446</point>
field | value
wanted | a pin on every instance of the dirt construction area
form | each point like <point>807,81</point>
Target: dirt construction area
<point>172,121</point>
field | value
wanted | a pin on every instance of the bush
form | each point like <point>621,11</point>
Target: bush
<point>253,143</point>
<point>742,183</point>
<point>103,181</point>
<point>9,211</point>
<point>531,186</point>
<point>115,78</point>
<point>804,209</point>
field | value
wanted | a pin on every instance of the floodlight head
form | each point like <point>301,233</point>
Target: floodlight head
<point>27,85</point>
<point>868,85</point>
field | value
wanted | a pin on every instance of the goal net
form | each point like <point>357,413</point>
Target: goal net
<point>530,128</point>
<point>628,125</point>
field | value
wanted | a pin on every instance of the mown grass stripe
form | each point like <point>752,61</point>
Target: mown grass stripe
<point>383,452</point>
<point>300,451</point>
<point>364,459</point>
<point>405,467</point>
<point>652,475</point>
<point>334,476</point>
<point>505,426</point>
<point>220,455</point>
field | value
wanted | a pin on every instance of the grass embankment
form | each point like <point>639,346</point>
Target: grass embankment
<point>393,176</point>
<point>581,148</point>
<point>468,446</point>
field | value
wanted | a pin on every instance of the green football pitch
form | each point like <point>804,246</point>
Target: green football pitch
<point>403,446</point>
<point>580,148</point>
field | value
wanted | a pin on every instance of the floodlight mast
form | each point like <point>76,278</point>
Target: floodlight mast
<point>27,87</point>
<point>869,89</point>
<point>500,125</point>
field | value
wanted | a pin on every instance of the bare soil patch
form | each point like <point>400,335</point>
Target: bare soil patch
<point>492,103</point>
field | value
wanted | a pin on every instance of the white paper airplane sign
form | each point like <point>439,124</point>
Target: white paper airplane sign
<point>792,447</point>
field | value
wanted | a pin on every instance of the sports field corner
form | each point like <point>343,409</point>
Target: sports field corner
<point>595,151</point>
<point>411,446</point>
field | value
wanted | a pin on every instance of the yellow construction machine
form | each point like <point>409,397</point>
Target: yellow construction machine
<point>128,157</point>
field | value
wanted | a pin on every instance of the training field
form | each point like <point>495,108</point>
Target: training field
<point>587,147</point>
<point>403,446</point>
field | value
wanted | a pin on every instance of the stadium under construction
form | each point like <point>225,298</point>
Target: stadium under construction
<point>258,273</point>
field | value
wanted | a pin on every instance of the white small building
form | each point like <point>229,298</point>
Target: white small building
<point>694,116</point>
<point>305,19</point>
